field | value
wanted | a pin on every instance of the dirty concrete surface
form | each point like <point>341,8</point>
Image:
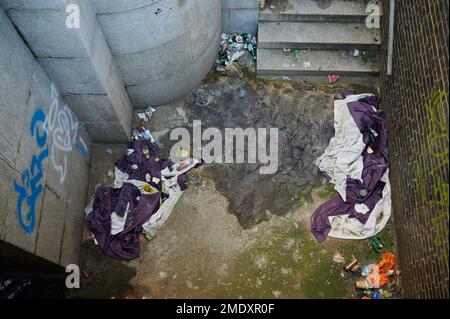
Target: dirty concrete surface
<point>236,233</point>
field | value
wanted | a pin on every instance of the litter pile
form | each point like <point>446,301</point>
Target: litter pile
<point>357,163</point>
<point>296,53</point>
<point>145,191</point>
<point>23,285</point>
<point>375,281</point>
<point>233,47</point>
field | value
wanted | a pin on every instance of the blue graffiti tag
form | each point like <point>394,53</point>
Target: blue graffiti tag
<point>30,179</point>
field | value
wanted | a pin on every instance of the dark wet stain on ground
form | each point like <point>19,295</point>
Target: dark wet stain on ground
<point>305,126</point>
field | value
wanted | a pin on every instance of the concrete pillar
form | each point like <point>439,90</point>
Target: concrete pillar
<point>79,61</point>
<point>163,48</point>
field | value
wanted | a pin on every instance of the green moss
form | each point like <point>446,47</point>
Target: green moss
<point>328,191</point>
<point>293,263</point>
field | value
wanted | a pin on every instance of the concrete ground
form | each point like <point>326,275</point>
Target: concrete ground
<point>234,237</point>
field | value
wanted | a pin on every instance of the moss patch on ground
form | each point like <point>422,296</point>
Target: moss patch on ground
<point>292,264</point>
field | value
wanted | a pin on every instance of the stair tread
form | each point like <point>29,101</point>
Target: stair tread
<point>313,8</point>
<point>316,33</point>
<point>275,61</point>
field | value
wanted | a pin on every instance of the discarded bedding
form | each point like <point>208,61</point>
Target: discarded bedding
<point>145,191</point>
<point>357,163</point>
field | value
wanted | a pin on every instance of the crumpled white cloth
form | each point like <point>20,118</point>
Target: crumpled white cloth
<point>170,179</point>
<point>343,227</point>
<point>171,187</point>
<point>343,157</point>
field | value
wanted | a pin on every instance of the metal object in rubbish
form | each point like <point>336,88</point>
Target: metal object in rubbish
<point>354,52</point>
<point>376,244</point>
<point>5,284</point>
<point>147,115</point>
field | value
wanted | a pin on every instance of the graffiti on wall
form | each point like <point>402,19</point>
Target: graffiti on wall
<point>56,135</point>
<point>30,186</point>
<point>437,147</point>
<point>63,130</point>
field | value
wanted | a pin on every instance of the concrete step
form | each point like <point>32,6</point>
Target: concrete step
<point>312,11</point>
<point>315,35</point>
<point>275,62</point>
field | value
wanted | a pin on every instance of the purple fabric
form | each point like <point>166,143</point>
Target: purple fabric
<point>153,165</point>
<point>125,245</point>
<point>375,165</point>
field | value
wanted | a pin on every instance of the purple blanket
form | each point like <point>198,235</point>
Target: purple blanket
<point>125,245</point>
<point>369,191</point>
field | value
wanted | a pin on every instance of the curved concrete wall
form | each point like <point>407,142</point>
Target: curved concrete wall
<point>163,48</point>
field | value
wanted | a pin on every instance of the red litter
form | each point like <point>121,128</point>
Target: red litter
<point>333,78</point>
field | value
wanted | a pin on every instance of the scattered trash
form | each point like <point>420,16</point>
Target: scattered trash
<point>353,268</point>
<point>378,281</point>
<point>143,135</point>
<point>5,284</point>
<point>354,52</point>
<point>310,88</point>
<point>147,115</point>
<point>18,289</point>
<point>144,193</point>
<point>233,47</point>
<point>367,270</point>
<point>182,153</point>
<point>296,53</point>
<point>365,56</point>
<point>376,244</point>
<point>357,53</point>
<point>333,78</point>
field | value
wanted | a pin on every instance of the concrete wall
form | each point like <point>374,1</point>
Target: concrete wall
<point>240,16</point>
<point>125,53</point>
<point>79,61</point>
<point>163,48</point>
<point>415,99</point>
<point>42,195</point>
